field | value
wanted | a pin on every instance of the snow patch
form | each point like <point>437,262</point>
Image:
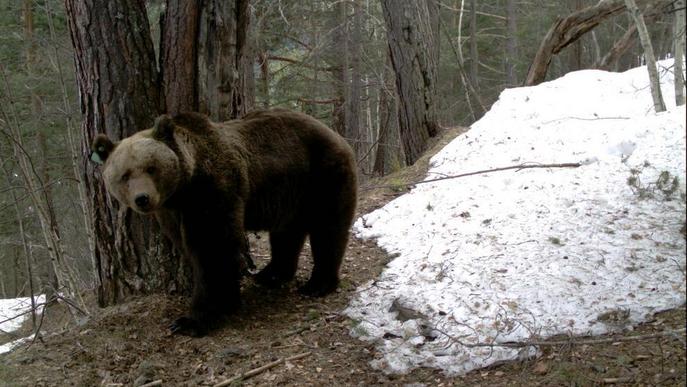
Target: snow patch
<point>13,313</point>
<point>512,255</point>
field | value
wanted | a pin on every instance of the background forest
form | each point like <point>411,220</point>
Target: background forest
<point>330,59</point>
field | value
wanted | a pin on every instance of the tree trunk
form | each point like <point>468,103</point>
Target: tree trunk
<point>414,52</point>
<point>654,81</point>
<point>27,12</point>
<point>388,157</point>
<point>566,31</point>
<point>119,95</point>
<point>511,43</point>
<point>338,58</point>
<point>679,51</point>
<point>225,60</point>
<point>576,52</point>
<point>353,114</point>
<point>474,55</point>
<point>264,64</point>
<point>178,55</point>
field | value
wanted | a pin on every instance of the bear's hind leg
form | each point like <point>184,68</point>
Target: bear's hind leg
<point>285,246</point>
<point>331,216</point>
<point>328,245</point>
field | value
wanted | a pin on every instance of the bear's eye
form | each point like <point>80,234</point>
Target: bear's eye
<point>151,170</point>
<point>125,177</point>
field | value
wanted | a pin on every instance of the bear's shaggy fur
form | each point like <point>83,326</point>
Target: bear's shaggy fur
<point>208,183</point>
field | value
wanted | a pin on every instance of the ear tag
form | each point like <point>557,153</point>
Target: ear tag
<point>95,157</point>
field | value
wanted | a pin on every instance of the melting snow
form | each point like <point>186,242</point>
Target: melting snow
<point>13,313</point>
<point>512,255</point>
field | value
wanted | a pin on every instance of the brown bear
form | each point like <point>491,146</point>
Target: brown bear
<point>208,183</point>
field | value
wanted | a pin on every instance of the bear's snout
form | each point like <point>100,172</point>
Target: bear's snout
<point>142,201</point>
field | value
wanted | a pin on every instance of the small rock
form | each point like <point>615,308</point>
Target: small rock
<point>541,368</point>
<point>405,313</point>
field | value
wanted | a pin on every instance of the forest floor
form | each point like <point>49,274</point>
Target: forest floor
<point>130,344</point>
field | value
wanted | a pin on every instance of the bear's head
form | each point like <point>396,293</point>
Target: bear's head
<point>141,171</point>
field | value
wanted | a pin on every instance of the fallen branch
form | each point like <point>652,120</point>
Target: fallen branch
<point>518,167</point>
<point>535,343</point>
<point>518,344</point>
<point>261,369</point>
<point>153,383</point>
<point>585,119</point>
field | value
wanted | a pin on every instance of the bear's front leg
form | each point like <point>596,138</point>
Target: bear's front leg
<point>214,246</point>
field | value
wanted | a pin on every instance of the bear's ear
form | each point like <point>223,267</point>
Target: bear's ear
<point>164,128</point>
<point>101,148</point>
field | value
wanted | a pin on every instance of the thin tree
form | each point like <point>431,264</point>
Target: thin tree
<point>25,245</point>
<point>511,43</point>
<point>654,81</point>
<point>388,156</point>
<point>35,185</point>
<point>340,71</point>
<point>353,114</point>
<point>679,50</point>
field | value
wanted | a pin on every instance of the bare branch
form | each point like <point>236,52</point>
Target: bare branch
<point>518,167</point>
<point>256,371</point>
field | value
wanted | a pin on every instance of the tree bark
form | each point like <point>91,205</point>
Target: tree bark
<point>388,157</point>
<point>225,60</point>
<point>654,81</point>
<point>414,53</point>
<point>119,95</point>
<point>566,31</point>
<point>179,55</point>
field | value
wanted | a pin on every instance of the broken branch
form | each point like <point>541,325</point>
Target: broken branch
<point>518,167</point>
<point>261,369</point>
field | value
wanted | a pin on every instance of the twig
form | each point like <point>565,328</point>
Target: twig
<point>298,330</point>
<point>518,167</point>
<point>153,383</point>
<point>586,119</point>
<point>256,371</point>
<point>617,380</point>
